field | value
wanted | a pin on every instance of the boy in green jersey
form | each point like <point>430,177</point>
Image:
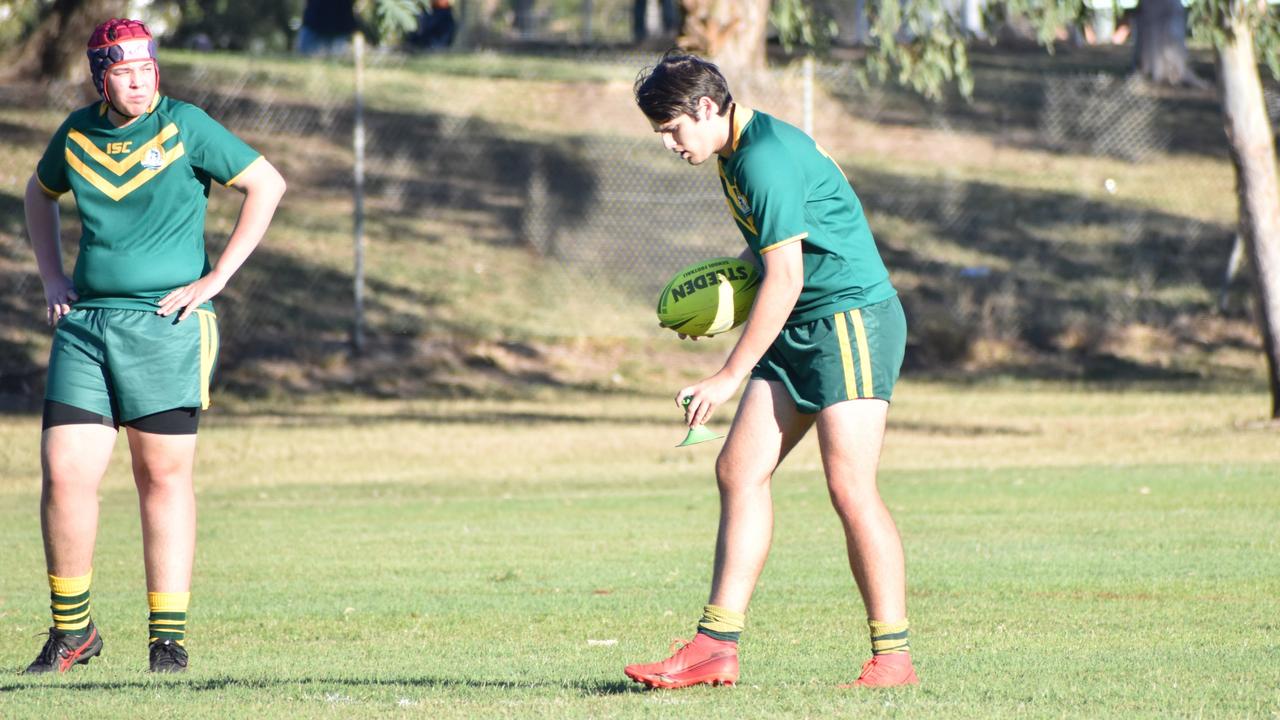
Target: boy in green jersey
<point>135,336</point>
<point>822,347</point>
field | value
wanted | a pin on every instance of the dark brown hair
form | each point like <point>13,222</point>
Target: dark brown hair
<point>675,85</point>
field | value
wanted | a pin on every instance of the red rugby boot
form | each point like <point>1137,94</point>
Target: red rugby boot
<point>704,660</point>
<point>886,671</point>
<point>63,651</point>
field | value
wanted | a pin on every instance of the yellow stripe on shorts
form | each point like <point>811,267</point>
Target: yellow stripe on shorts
<point>846,357</point>
<point>864,352</point>
<point>208,352</point>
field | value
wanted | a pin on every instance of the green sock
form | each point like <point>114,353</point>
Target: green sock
<point>889,638</point>
<point>69,601</point>
<point>721,624</point>
<point>168,616</point>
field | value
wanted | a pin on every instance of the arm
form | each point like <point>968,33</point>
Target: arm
<point>263,187</point>
<point>43,225</point>
<point>783,281</point>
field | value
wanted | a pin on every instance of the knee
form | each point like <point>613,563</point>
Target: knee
<point>162,475</point>
<point>65,473</point>
<point>731,477</point>
<point>851,493</point>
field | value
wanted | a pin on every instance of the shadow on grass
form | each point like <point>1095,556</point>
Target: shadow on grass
<point>602,687</point>
<point>1055,270</point>
<point>497,180</point>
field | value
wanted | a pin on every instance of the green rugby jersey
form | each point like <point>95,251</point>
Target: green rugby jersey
<point>782,188</point>
<point>142,191</point>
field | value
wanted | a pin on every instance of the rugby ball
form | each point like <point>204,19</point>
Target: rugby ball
<point>709,297</point>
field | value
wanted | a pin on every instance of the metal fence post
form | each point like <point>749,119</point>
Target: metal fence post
<point>357,324</point>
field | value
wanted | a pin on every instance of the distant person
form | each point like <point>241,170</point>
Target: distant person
<point>436,27</point>
<point>822,347</point>
<point>135,337</point>
<point>327,27</point>
<point>668,14</point>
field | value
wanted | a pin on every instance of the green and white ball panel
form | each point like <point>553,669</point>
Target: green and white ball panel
<point>709,297</point>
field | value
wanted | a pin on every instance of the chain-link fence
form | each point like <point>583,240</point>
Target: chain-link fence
<point>1075,217</point>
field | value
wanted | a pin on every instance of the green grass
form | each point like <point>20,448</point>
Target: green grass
<point>1071,553</point>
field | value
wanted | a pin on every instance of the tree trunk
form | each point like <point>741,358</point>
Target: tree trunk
<point>475,23</point>
<point>55,49</point>
<point>1160,43</point>
<point>729,32</point>
<point>1253,152</point>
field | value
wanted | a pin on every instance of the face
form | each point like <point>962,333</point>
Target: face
<point>131,86</point>
<point>694,139</point>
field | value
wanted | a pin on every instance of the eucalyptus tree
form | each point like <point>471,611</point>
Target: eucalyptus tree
<point>922,45</point>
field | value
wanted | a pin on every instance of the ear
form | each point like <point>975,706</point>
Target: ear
<point>707,107</point>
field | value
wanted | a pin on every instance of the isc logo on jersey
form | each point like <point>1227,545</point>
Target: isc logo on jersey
<point>740,200</point>
<point>153,160</point>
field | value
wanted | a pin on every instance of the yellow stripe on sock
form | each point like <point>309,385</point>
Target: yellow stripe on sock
<point>70,585</point>
<point>723,620</point>
<point>72,625</point>
<point>73,616</point>
<point>168,601</point>
<point>889,638</point>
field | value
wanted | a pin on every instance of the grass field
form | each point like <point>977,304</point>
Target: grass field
<point>1072,552</point>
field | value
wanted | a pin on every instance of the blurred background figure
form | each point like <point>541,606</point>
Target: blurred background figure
<point>663,20</point>
<point>436,27</point>
<point>327,26</point>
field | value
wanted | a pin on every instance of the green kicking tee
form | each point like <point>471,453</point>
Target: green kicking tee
<point>782,188</point>
<point>142,191</point>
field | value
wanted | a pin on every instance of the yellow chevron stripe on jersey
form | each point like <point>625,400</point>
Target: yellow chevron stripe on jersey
<point>732,191</point>
<point>120,167</point>
<point>112,191</point>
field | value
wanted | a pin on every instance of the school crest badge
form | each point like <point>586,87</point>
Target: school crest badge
<point>740,200</point>
<point>154,159</point>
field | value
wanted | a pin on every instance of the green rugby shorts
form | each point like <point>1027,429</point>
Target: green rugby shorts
<point>125,364</point>
<point>849,355</point>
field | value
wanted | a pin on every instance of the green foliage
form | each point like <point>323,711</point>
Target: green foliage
<point>801,23</point>
<point>235,24</point>
<point>1211,21</point>
<point>919,44</point>
<point>23,16</point>
<point>1048,17</point>
<point>923,47</point>
<point>394,18</point>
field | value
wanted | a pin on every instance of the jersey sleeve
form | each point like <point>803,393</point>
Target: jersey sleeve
<point>776,192</point>
<point>51,170</point>
<point>213,149</point>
